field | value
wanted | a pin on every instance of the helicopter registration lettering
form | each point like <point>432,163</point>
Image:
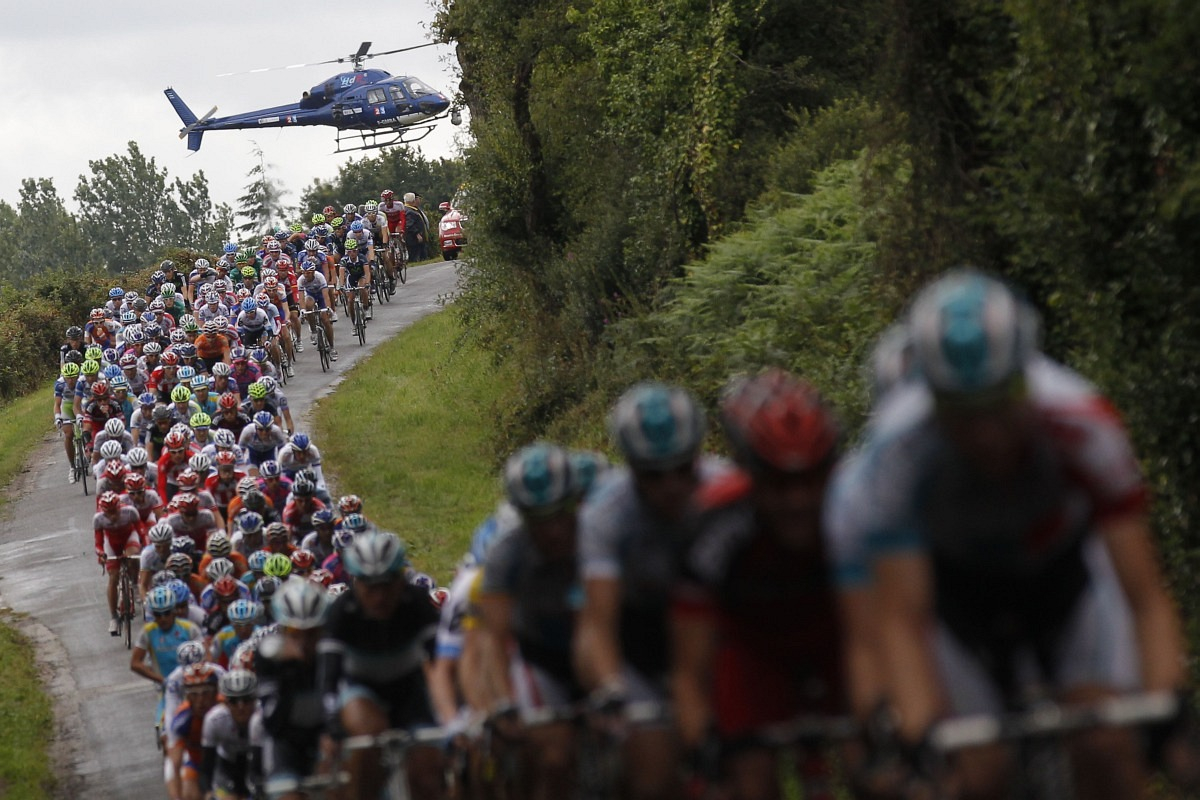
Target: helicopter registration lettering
<point>267,120</point>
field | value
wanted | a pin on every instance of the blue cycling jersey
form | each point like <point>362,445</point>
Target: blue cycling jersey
<point>161,645</point>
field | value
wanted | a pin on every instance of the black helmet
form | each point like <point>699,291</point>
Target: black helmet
<point>73,357</point>
<point>74,332</point>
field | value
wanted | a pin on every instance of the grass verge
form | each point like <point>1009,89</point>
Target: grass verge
<point>26,721</point>
<point>23,424</point>
<point>409,431</point>
<point>26,713</point>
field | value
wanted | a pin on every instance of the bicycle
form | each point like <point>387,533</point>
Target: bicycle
<point>126,597</point>
<point>322,340</point>
<point>82,464</point>
<point>379,287</point>
<point>394,746</point>
<point>358,315</point>
<point>1043,769</point>
<point>397,253</point>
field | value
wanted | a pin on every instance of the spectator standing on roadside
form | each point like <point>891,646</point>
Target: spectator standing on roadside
<point>415,228</point>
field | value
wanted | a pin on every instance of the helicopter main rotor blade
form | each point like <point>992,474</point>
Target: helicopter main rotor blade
<point>362,53</point>
<point>186,130</point>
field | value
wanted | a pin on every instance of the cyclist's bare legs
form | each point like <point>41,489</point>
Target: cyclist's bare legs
<point>68,433</point>
<point>650,760</point>
<point>1106,762</point>
<point>550,754</point>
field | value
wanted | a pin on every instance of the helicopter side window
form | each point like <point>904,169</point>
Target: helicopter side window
<point>376,96</point>
<point>402,102</point>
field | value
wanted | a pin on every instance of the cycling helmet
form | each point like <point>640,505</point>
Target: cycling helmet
<point>152,348</point>
<point>311,245</point>
<point>263,420</point>
<point>73,357</point>
<point>349,209</point>
<point>177,337</point>
<point>354,523</point>
<point>386,195</point>
<point>159,531</point>
<point>270,282</point>
<point>100,388</point>
<point>270,383</point>
<point>240,611</point>
<point>317,219</point>
<point>109,502</point>
<point>336,590</point>
<point>116,293</point>
<point>187,502</point>
<point>303,559</point>
<point>278,566</point>
<point>538,478</point>
<point>972,337</point>
<point>246,485</point>
<point>249,305</point>
<point>337,222</point>
<point>304,488</point>
<point>238,683</point>
<point>258,391</point>
<point>370,207</point>
<point>127,361</point>
<point>161,413</point>
<point>356,226</point>
<point>179,563</point>
<point>135,335</point>
<point>219,545</point>
<point>110,371</point>
<point>300,605</point>
<point>226,458</point>
<point>657,427</point>
<point>165,266</point>
<point>351,243</point>
<point>776,421</point>
<point>438,596</point>
<point>189,481</point>
<point>250,522</point>
<point>227,401</point>
<point>201,676</point>
<point>96,315</point>
<point>74,332</point>
<point>111,449</point>
<point>128,317</point>
<point>138,457</point>
<point>199,382</point>
<point>180,394</point>
<point>277,530</point>
<point>161,600</point>
<point>225,438</point>
<point>175,441</point>
<point>90,367</point>
<point>273,246</point>
<point>170,359</point>
<point>70,370</point>
<point>321,577</point>
<point>200,464</point>
<point>422,581</point>
<point>269,468</point>
<point>219,567</point>
<point>242,257</point>
<point>237,353</point>
<point>163,578</point>
<point>323,516</point>
<point>93,353</point>
<point>257,560</point>
<point>114,470</point>
<point>115,427</point>
<point>374,555</point>
<point>265,587</point>
<point>186,373</point>
<point>186,350</point>
<point>248,272</point>
<point>165,293</point>
<point>188,653</point>
<point>225,585</point>
<point>201,420</point>
<point>300,441</point>
<point>135,482</point>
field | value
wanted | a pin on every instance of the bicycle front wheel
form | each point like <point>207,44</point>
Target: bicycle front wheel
<point>323,348</point>
<point>81,463</point>
<point>360,322</point>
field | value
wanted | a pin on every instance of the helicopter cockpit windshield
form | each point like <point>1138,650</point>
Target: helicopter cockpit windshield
<point>416,88</point>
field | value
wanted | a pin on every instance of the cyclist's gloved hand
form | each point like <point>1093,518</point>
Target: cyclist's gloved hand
<point>609,699</point>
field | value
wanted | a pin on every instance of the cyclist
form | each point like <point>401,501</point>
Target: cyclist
<point>1039,537</point>
<point>292,714</point>
<point>185,749</point>
<point>154,556</point>
<point>298,513</point>
<point>229,415</point>
<point>188,653</point>
<point>224,483</point>
<point>97,414</point>
<point>259,400</point>
<point>355,271</point>
<point>214,343</point>
<point>248,537</point>
<point>221,546</point>
<point>261,440</point>
<point>757,548</point>
<point>298,454</point>
<point>146,501</point>
<point>64,418</point>
<point>74,343</point>
<point>528,599</point>
<point>231,763</point>
<point>320,541</point>
<point>370,663</point>
<point>316,289</point>
<point>116,528</point>
<point>630,534</point>
<point>174,460</point>
<point>134,377</point>
<point>243,372</point>
<point>191,521</point>
<point>243,617</point>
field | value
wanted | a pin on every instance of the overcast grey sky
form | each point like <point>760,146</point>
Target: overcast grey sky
<point>84,78</point>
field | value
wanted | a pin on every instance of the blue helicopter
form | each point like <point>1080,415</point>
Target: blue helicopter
<point>376,107</point>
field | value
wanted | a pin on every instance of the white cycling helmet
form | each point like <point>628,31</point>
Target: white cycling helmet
<point>115,427</point>
<point>239,683</point>
<point>300,604</point>
<point>161,532</point>
<point>138,457</point>
<point>110,450</point>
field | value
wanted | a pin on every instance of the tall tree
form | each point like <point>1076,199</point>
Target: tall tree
<point>61,244</point>
<point>261,206</point>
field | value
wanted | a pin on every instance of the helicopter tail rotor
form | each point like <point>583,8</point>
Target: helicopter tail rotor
<point>189,119</point>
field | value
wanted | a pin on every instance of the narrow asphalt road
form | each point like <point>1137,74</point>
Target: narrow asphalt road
<point>48,572</point>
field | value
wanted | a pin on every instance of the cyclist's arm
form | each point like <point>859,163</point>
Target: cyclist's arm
<point>694,644</point>
<point>597,652</point>
<point>906,621</point>
<point>137,663</point>
<point>496,611</point>
<point>1159,631</point>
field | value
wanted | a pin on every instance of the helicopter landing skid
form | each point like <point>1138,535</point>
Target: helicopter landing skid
<point>371,140</point>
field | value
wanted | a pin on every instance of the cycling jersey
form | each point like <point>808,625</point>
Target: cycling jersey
<point>197,529</point>
<point>224,490</point>
<point>292,460</point>
<point>292,712</point>
<point>298,521</point>
<point>146,506</point>
<point>261,448</point>
<point>395,212</point>
<point>226,766</point>
<point>114,535</point>
<point>312,543</point>
<point>224,643</point>
<point>451,632</point>
<point>778,651</point>
<point>161,645</point>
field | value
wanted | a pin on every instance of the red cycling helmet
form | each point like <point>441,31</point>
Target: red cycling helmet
<point>225,586</point>
<point>321,576</point>
<point>226,458</point>
<point>188,480</point>
<point>303,559</point>
<point>329,211</point>
<point>115,470</point>
<point>187,503</point>
<point>170,359</point>
<point>386,195</point>
<point>228,400</point>
<point>135,482</point>
<point>174,441</point>
<point>100,389</point>
<point>779,422</point>
<point>109,502</point>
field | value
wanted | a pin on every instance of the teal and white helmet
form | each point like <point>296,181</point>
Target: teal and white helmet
<point>657,427</point>
<point>538,478</point>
